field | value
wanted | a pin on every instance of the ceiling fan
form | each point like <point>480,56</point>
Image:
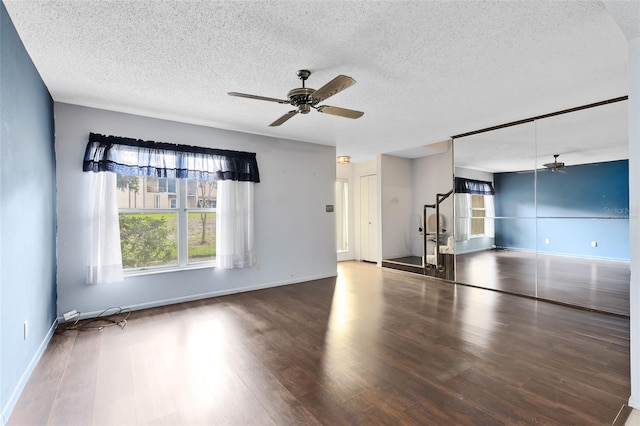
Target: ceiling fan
<point>305,98</point>
<point>556,166</point>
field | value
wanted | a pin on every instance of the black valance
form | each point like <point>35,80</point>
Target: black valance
<point>135,157</point>
<point>470,186</point>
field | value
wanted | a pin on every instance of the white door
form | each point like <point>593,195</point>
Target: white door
<point>368,218</point>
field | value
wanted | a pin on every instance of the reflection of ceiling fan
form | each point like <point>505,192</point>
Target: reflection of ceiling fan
<point>305,98</point>
<point>556,166</point>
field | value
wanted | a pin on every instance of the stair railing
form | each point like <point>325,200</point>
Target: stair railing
<point>438,265</point>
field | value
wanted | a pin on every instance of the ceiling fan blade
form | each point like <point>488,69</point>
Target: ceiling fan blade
<point>342,112</point>
<point>284,118</point>
<point>336,85</point>
<point>260,98</point>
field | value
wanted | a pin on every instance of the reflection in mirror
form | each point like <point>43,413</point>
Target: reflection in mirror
<point>561,209</point>
<point>486,254</point>
<point>417,235</point>
<point>499,268</point>
<point>582,200</point>
<point>583,278</point>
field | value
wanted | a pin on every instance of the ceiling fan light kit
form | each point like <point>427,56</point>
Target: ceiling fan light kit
<point>305,98</point>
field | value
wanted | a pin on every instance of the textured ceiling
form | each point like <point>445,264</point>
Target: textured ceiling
<point>424,70</point>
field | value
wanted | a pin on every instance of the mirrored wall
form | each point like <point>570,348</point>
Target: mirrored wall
<point>541,208</point>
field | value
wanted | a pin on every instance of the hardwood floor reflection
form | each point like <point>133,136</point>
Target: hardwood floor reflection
<point>374,346</point>
<point>591,283</point>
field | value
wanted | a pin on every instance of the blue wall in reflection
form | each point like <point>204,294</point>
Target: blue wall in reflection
<point>564,213</point>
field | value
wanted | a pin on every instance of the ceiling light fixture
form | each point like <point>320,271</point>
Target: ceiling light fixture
<point>344,159</point>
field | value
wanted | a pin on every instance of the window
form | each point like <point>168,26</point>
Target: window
<point>161,228</point>
<point>342,214</point>
<point>157,206</point>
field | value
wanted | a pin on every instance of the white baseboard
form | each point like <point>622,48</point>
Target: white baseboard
<point>6,410</point>
<point>193,297</point>
<point>634,403</point>
<point>474,250</point>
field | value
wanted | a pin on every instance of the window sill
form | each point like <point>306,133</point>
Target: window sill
<point>142,272</point>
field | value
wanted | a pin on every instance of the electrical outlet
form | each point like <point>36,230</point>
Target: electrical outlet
<point>594,244</point>
<point>25,330</point>
<point>258,266</point>
<point>68,316</point>
<point>546,241</point>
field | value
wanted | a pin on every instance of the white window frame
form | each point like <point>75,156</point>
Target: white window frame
<point>182,212</point>
<point>472,217</point>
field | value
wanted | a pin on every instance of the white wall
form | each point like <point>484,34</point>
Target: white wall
<point>396,203</point>
<point>431,175</point>
<point>295,237</point>
<point>473,174</point>
<point>627,16</point>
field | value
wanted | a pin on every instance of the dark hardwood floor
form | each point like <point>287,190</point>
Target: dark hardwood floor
<point>589,283</point>
<point>374,346</point>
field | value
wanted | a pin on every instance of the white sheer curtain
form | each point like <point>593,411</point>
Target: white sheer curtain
<point>105,259</point>
<point>236,172</point>
<point>462,214</point>
<point>235,245</point>
<point>490,214</point>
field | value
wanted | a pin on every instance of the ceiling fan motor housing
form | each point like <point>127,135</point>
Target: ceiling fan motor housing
<point>301,98</point>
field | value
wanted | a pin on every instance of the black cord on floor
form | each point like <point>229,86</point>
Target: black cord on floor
<point>100,322</point>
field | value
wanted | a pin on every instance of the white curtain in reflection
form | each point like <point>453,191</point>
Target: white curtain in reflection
<point>462,213</point>
<point>235,245</point>
<point>105,258</point>
<point>490,214</point>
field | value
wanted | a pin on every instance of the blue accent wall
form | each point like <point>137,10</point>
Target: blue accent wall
<point>27,215</point>
<point>563,213</point>
<point>515,195</point>
<point>594,190</point>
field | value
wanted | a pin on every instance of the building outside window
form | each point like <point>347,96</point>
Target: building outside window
<point>478,214</point>
<point>166,222</point>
